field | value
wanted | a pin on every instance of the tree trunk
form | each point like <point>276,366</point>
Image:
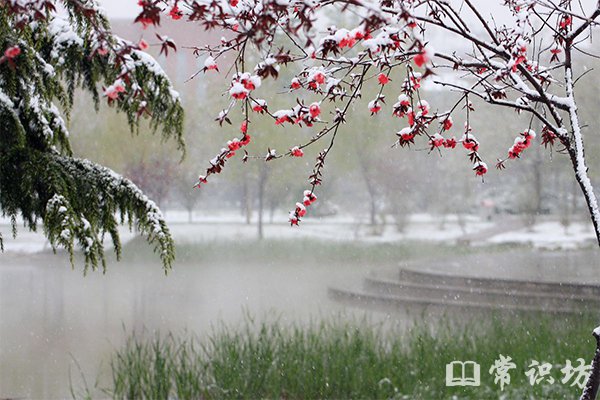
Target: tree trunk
<point>588,193</point>
<point>372,191</point>
<point>272,207</point>
<point>537,178</point>
<point>373,211</point>
<point>591,387</point>
<point>246,202</point>
<point>262,183</point>
<point>576,151</point>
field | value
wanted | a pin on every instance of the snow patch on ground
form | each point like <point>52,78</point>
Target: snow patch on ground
<point>228,225</point>
<point>550,235</point>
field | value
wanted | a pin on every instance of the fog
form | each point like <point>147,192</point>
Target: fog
<point>51,315</point>
<point>398,237</point>
<point>56,321</point>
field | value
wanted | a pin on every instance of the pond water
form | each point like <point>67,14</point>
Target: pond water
<point>51,315</point>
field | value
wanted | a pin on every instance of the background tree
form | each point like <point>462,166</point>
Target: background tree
<point>153,175</point>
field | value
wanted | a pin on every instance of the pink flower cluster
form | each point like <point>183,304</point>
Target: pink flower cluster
<point>242,84</point>
<point>300,211</point>
<point>114,90</point>
<point>521,143</point>
<point>299,114</point>
<point>12,52</point>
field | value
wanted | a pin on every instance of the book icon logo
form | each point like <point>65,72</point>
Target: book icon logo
<point>459,373</point>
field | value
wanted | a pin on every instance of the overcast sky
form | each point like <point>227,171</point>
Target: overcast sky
<point>130,8</point>
<point>120,8</point>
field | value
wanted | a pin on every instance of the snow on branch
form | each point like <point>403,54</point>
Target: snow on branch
<point>503,63</point>
<point>45,57</point>
<point>112,195</point>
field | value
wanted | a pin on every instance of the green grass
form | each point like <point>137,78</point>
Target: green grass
<point>309,250</point>
<point>340,360</point>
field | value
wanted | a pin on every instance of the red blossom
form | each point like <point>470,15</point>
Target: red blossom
<point>421,59</point>
<point>210,64</point>
<point>245,140</point>
<point>436,140</point>
<point>296,152</point>
<point>424,107</point>
<point>201,181</point>
<point>415,81</point>
<point>12,52</point>
<point>295,84</point>
<point>300,209</point>
<point>143,45</point>
<point>314,110</point>
<point>411,117</point>
<point>282,119</point>
<point>239,95</point>
<point>347,42</point>
<point>234,144</point>
<point>375,108</point>
<point>113,91</point>
<point>480,168</point>
<point>450,143</point>
<point>447,123</point>
<point>175,12</point>
<point>347,73</point>
<point>319,78</point>
<point>471,144</point>
<point>565,22</point>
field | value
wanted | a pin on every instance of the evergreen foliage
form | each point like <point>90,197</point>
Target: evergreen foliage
<point>47,57</point>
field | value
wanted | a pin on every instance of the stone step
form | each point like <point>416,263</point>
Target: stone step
<point>575,290</point>
<point>493,296</point>
<point>419,304</point>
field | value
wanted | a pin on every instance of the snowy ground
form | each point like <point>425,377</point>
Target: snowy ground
<point>227,225</point>
<point>550,235</point>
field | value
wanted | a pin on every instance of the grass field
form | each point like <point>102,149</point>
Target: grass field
<point>307,249</point>
<point>339,360</point>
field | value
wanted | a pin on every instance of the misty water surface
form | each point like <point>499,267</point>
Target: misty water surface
<point>50,314</point>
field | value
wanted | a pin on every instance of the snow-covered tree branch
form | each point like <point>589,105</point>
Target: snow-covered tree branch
<point>520,58</point>
<point>520,61</point>
<point>47,56</point>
